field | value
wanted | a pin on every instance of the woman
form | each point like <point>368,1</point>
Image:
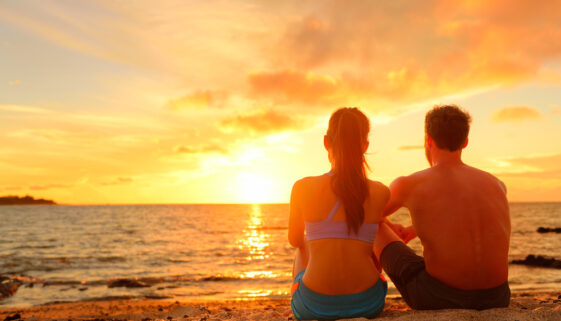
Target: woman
<point>333,222</point>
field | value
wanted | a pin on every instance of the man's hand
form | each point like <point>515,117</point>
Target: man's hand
<point>406,234</point>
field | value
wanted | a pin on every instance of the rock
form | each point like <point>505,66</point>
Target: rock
<point>549,230</point>
<point>13,317</point>
<point>540,261</point>
<point>8,286</point>
<point>126,283</point>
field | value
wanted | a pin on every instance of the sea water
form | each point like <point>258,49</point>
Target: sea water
<point>194,252</point>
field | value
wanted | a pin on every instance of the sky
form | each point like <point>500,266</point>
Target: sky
<point>136,102</point>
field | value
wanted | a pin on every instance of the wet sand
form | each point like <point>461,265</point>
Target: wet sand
<point>523,306</point>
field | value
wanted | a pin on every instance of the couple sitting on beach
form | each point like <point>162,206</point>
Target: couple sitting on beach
<point>338,225</point>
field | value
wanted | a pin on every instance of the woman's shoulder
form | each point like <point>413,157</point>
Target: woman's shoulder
<point>378,189</point>
<point>308,181</point>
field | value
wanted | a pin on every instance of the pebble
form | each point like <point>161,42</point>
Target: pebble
<point>16,316</point>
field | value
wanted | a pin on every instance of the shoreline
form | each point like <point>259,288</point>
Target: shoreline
<point>524,305</point>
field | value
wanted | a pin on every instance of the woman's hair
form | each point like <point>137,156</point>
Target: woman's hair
<point>348,133</point>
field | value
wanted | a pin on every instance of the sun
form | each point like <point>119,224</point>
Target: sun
<point>254,188</point>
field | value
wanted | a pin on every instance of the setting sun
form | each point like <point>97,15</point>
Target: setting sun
<point>254,188</point>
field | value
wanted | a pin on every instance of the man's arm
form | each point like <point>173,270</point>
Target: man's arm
<point>399,190</point>
<point>398,195</point>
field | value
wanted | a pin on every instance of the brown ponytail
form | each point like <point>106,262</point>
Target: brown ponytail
<point>348,133</point>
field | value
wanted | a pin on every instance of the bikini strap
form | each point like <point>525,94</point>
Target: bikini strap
<point>334,210</point>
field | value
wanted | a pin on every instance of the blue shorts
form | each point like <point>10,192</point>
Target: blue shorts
<point>309,305</point>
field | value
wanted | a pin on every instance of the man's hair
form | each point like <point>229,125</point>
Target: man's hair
<point>448,126</point>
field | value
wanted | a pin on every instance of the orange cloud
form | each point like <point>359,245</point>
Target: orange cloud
<point>260,122</point>
<point>542,167</point>
<point>325,52</point>
<point>516,114</point>
<point>448,47</point>
<point>286,86</point>
<point>198,99</point>
<point>410,147</point>
<point>203,149</point>
<point>14,82</point>
<point>11,188</point>
<point>48,186</point>
<point>118,181</point>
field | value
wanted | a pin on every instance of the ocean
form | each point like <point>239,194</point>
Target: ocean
<point>194,252</point>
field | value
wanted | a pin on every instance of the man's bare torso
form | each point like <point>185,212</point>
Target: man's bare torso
<point>461,215</point>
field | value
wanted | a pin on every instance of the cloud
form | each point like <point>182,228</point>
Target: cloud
<point>198,99</point>
<point>448,48</point>
<point>176,39</point>
<point>410,147</point>
<point>14,82</point>
<point>327,91</point>
<point>542,167</point>
<point>11,188</point>
<point>267,121</point>
<point>319,52</point>
<point>48,186</point>
<point>201,149</point>
<point>118,181</point>
<point>286,86</point>
<point>516,114</point>
<point>24,109</point>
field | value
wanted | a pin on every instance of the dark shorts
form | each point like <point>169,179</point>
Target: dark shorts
<point>423,292</point>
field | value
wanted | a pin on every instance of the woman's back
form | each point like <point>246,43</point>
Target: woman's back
<point>338,265</point>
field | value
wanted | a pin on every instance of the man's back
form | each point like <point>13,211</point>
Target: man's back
<point>461,216</point>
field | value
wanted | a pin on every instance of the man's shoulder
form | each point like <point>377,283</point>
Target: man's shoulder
<point>403,186</point>
<point>488,176</point>
<point>414,178</point>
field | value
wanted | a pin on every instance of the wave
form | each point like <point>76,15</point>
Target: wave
<point>136,282</point>
<point>268,228</point>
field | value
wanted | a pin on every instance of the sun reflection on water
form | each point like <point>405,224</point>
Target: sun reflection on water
<point>255,293</point>
<point>255,239</point>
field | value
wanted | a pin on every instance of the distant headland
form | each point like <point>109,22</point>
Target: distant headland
<point>26,200</point>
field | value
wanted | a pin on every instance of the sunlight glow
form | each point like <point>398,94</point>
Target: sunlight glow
<point>254,188</point>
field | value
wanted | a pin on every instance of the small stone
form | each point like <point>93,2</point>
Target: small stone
<point>16,316</point>
<point>126,283</point>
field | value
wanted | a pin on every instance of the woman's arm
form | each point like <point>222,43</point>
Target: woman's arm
<point>296,221</point>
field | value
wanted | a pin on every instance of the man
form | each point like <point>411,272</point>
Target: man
<point>461,216</point>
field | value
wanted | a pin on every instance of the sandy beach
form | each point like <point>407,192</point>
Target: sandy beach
<point>523,306</point>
